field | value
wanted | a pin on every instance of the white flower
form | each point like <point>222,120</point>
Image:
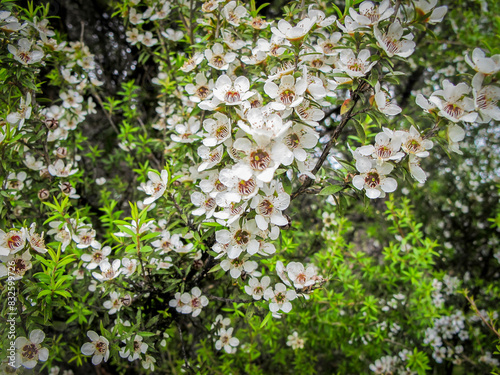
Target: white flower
<point>280,298</point>
<point>187,131</point>
<point>22,263</point>
<point>32,163</point>
<point>328,44</point>
<point>259,24</point>
<point>149,362</point>
<point>133,37</point>
<point>413,143</point>
<point>415,170</point>
<point>162,13</point>
<point>256,288</point>
<point>23,52</point>
<point>218,128</point>
<point>210,5</point>
<point>192,63</point>
<point>269,207</point>
<point>485,99</point>
<point>29,352</point>
<point>134,17</point>
<point>300,276</point>
<point>455,135</point>
<point>108,271</point>
<point>295,341</point>
<point>22,114</point>
<point>148,39</point>
<point>264,127</point>
<point>173,35</point>
<point>12,241</point>
<point>350,26</point>
<point>129,266</point>
<point>238,239</point>
<point>17,181</point>
<point>220,323</point>
<point>167,243</point>
<point>176,302</point>
<point>194,302</point>
<point>238,265</point>
<point>232,93</point>
<point>217,58</point>
<point>231,41</point>
<point>233,14</point>
<point>354,66</point>
<point>201,90</point>
<point>61,233</point>
<point>297,139</point>
<point>482,64</point>
<point>387,147</point>
<point>288,94</point>
<point>317,60</point>
<point>293,33</point>
<point>96,258</point>
<point>309,113</point>
<point>423,7</point>
<point>85,237</point>
<point>114,304</point>
<point>155,186</point>
<point>258,56</point>
<point>227,341</point>
<point>71,99</point>
<point>392,43</point>
<point>210,157</point>
<point>60,170</point>
<point>206,204</point>
<point>371,14</point>
<point>452,102</point>
<point>319,16</point>
<point>375,181</point>
<point>98,348</point>
<point>36,240</point>
<point>139,348</point>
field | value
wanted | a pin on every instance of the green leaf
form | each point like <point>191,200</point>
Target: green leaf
<point>266,319</point>
<point>332,189</point>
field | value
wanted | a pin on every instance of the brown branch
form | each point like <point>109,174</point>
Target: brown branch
<point>108,116</point>
<point>229,300</point>
<point>183,348</point>
<point>489,323</point>
<point>345,119</point>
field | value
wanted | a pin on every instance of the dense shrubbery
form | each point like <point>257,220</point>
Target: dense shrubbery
<point>299,188</point>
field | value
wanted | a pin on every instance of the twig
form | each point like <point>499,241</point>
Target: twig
<point>329,145</point>
<point>183,347</point>
<point>108,116</point>
<point>488,324</point>
<point>229,300</point>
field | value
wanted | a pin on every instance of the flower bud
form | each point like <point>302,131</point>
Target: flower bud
<point>126,300</point>
<point>43,194</point>
<point>44,173</point>
<point>51,123</point>
<point>61,152</point>
<point>66,187</point>
<point>289,224</point>
<point>198,264</point>
<point>303,178</point>
<point>18,211</point>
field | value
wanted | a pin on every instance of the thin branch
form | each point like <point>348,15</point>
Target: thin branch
<point>489,323</point>
<point>229,300</point>
<point>329,145</point>
<point>183,347</point>
<point>108,116</point>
